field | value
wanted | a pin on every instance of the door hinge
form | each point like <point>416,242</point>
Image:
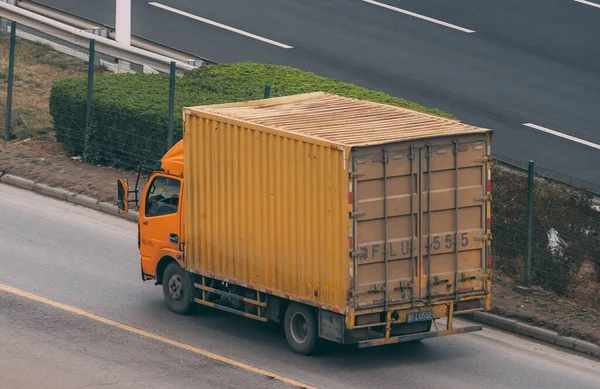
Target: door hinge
<point>356,214</point>
<point>484,238</point>
<point>362,253</point>
<point>483,198</point>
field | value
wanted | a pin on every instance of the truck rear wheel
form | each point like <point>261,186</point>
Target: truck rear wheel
<point>301,329</point>
<point>177,289</point>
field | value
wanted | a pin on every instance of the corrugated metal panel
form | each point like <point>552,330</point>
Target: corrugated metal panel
<point>340,120</point>
<point>266,209</point>
<point>423,262</point>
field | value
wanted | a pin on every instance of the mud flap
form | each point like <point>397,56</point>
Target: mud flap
<point>331,326</point>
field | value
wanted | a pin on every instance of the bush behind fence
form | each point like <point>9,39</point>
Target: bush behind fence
<point>565,231</point>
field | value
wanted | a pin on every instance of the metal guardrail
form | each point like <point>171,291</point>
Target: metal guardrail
<point>109,32</point>
<point>79,31</point>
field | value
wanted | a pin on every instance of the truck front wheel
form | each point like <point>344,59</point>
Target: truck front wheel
<point>177,289</point>
<point>301,329</point>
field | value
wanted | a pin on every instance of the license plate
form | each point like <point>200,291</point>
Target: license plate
<point>419,316</point>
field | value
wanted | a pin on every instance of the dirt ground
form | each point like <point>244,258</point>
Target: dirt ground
<point>577,316</point>
<point>44,161</point>
<point>36,155</point>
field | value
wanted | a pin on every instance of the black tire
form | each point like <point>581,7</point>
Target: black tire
<point>177,289</point>
<point>301,329</point>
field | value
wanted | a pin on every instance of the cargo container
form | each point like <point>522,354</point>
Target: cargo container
<point>344,220</point>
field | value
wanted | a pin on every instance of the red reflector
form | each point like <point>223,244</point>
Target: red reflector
<point>350,197</point>
<point>489,260</point>
<point>351,243</point>
<point>489,186</point>
<point>336,310</point>
<point>489,223</point>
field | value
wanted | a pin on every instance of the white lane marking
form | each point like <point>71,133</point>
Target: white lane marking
<point>220,25</point>
<point>416,15</point>
<point>560,134</point>
<point>588,3</point>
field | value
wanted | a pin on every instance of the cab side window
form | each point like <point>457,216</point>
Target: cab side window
<point>162,197</point>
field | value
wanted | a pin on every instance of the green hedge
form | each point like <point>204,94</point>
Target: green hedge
<point>130,115</point>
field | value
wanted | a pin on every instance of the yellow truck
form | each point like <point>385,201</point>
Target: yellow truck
<point>343,220</point>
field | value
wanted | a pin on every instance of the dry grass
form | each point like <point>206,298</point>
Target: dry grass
<point>35,154</point>
<point>37,67</point>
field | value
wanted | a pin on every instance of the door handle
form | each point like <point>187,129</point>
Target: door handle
<point>174,238</point>
<point>145,223</point>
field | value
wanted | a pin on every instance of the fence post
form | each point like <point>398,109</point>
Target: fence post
<point>171,105</point>
<point>267,91</point>
<point>11,74</point>
<point>531,172</point>
<point>90,87</point>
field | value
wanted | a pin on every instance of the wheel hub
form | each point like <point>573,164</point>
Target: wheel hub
<point>175,289</point>
<point>299,327</point>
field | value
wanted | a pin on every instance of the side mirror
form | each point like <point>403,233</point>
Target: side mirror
<point>123,195</point>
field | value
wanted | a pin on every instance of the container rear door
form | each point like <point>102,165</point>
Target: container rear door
<point>404,253</point>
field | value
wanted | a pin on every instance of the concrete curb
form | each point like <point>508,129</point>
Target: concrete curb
<point>538,333</point>
<point>65,195</point>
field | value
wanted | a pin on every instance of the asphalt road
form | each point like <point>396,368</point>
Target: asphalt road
<point>88,260</point>
<point>534,61</point>
<point>46,348</point>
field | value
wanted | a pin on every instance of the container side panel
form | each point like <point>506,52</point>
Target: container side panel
<point>266,209</point>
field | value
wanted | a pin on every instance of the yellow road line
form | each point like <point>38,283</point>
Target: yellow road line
<point>150,335</point>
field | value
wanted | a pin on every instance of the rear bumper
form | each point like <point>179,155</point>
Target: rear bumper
<point>412,337</point>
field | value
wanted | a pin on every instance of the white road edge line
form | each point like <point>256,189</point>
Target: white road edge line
<point>560,134</point>
<point>416,15</point>
<point>220,25</point>
<point>588,3</point>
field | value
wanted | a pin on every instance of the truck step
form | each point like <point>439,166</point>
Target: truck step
<point>230,295</point>
<point>231,310</point>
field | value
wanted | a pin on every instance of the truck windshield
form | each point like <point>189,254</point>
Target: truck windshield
<point>162,197</point>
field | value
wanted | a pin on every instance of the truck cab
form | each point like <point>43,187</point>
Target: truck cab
<point>161,227</point>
